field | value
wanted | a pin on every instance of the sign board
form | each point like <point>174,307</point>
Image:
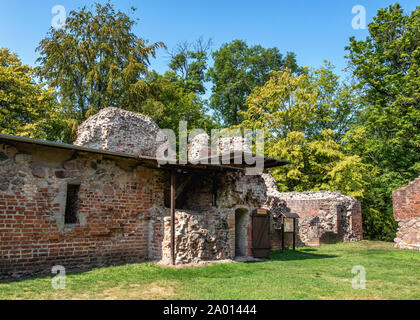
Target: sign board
<point>261,211</point>
<point>288,224</point>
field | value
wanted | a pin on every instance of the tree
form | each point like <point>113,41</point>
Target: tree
<point>311,102</point>
<point>237,69</point>
<point>188,65</point>
<point>337,103</point>
<point>285,103</point>
<point>386,66</point>
<point>318,164</point>
<point>288,107</point>
<point>172,103</point>
<point>387,133</point>
<point>96,61</point>
<point>26,108</point>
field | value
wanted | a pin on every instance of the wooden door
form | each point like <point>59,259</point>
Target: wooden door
<point>261,244</point>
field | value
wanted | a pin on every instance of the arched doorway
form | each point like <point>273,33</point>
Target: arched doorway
<point>241,232</point>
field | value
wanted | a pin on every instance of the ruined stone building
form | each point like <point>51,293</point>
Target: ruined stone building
<point>106,200</point>
<point>406,203</point>
<point>324,216</point>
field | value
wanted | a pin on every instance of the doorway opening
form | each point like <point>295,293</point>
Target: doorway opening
<point>241,232</point>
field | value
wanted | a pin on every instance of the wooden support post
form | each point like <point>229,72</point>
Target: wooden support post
<point>282,233</point>
<point>173,217</point>
<point>214,190</point>
<point>294,233</point>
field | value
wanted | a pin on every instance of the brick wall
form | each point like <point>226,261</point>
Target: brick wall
<point>406,202</point>
<point>111,228</point>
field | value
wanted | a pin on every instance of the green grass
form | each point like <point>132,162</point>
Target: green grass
<point>309,273</point>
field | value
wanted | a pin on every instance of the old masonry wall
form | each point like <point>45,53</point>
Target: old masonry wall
<point>112,226</point>
<point>407,213</point>
<point>122,215</point>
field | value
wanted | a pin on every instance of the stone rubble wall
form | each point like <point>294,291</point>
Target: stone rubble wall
<point>208,231</point>
<point>118,130</point>
<point>408,235</point>
<point>324,216</point>
<point>406,202</point>
<point>200,146</point>
<point>199,236</point>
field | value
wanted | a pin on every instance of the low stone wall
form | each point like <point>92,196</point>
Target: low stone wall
<point>406,203</point>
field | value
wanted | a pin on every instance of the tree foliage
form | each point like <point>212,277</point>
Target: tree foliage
<point>26,108</point>
<point>297,115</point>
<point>237,69</point>
<point>172,103</point>
<point>188,65</point>
<point>386,66</point>
<point>96,61</point>
<point>387,132</point>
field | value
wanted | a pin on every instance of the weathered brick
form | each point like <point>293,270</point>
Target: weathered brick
<point>407,212</point>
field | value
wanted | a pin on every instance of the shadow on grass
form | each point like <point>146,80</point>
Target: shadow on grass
<point>278,255</point>
<point>47,275</point>
<point>288,255</point>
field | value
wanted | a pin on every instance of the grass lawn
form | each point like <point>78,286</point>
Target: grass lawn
<point>309,273</point>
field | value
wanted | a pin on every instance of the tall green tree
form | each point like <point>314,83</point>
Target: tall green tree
<point>96,61</point>
<point>173,103</point>
<point>387,134</point>
<point>237,69</point>
<point>26,108</point>
<point>177,95</point>
<point>337,103</point>
<point>188,65</point>
<point>297,117</point>
<point>386,65</point>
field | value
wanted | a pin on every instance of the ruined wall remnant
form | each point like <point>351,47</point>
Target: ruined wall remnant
<point>111,225</point>
<point>205,230</point>
<point>406,203</point>
<point>201,146</point>
<point>324,216</point>
<point>199,236</point>
<point>118,130</point>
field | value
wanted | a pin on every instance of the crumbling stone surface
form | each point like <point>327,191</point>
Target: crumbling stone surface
<point>118,130</point>
<point>408,235</point>
<point>233,144</point>
<point>406,202</point>
<point>200,146</point>
<point>199,236</point>
<point>206,231</point>
<point>324,216</point>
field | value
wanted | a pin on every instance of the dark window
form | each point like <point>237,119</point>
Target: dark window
<point>72,204</point>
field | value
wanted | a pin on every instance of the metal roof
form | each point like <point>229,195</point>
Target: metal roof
<point>241,158</point>
<point>268,162</point>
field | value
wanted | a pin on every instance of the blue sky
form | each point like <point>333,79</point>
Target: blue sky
<point>314,30</point>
